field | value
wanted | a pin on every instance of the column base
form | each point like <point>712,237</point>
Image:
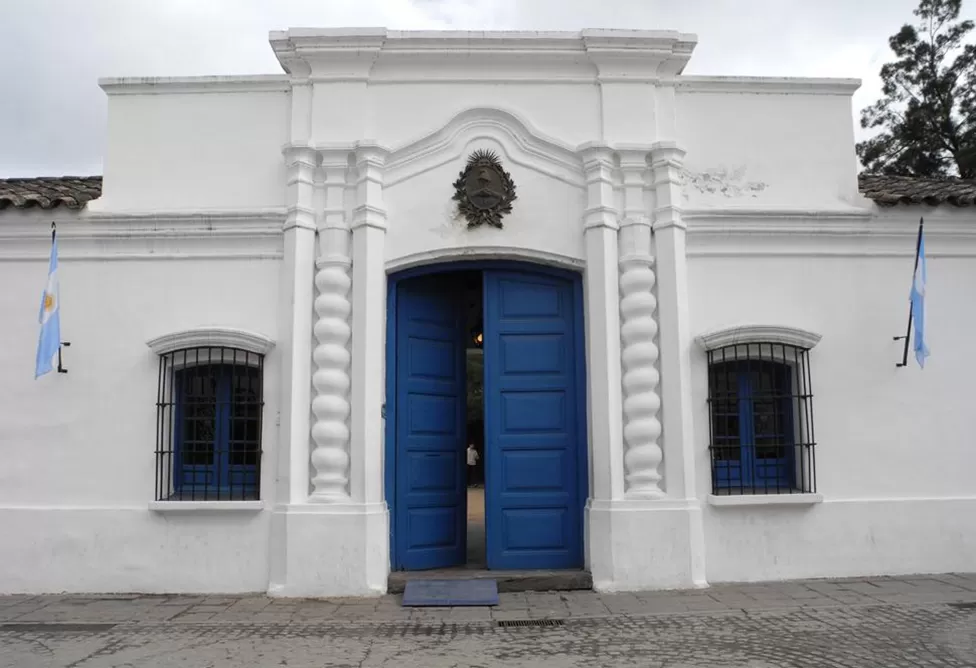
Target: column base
<point>320,550</point>
<point>637,545</point>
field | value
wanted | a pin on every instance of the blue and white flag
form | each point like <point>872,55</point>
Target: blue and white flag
<point>918,303</point>
<point>50,340</point>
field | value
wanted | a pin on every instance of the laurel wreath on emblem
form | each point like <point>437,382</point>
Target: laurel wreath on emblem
<point>484,191</point>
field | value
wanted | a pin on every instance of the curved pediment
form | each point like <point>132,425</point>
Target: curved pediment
<point>211,337</point>
<point>755,333</point>
<point>520,143</point>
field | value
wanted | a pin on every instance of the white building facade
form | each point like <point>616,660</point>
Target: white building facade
<point>688,318</point>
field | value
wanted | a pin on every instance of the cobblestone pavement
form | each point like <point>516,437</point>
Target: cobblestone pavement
<point>886,622</point>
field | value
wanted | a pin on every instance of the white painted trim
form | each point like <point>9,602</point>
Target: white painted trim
<point>725,500</point>
<point>768,85</point>
<point>255,83</point>
<point>777,214</point>
<point>791,336</point>
<point>225,337</point>
<point>150,235</point>
<point>531,148</point>
<point>829,232</point>
<point>205,506</point>
<point>484,253</point>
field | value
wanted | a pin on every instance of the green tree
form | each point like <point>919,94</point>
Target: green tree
<point>926,120</point>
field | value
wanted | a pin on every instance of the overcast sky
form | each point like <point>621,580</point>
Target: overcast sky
<point>52,113</point>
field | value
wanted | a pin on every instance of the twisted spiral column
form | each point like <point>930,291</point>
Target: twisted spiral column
<point>639,354</point>
<point>330,432</point>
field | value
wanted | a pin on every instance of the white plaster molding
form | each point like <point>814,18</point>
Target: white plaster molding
<point>150,236</point>
<point>331,381</point>
<point>638,333</point>
<point>368,54</point>
<point>525,146</point>
<point>738,500</point>
<point>601,285</point>
<point>830,232</point>
<point>252,234</point>
<point>773,215</point>
<point>215,337</point>
<point>205,506</point>
<point>255,83</point>
<point>744,334</point>
<point>782,85</point>
<point>473,253</point>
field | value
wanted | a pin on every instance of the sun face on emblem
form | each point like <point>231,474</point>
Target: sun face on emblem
<point>484,191</point>
<point>48,302</point>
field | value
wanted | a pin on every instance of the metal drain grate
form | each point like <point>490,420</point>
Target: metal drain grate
<point>967,605</point>
<point>521,623</point>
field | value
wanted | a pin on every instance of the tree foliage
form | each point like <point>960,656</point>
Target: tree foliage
<point>926,120</point>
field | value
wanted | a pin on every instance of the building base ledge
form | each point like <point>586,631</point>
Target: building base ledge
<point>342,508</point>
<point>726,500</point>
<point>642,505</point>
<point>205,506</point>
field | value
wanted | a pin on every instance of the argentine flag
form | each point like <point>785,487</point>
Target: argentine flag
<point>50,340</point>
<point>918,303</point>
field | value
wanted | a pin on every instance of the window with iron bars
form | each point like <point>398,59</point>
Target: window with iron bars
<point>760,403</point>
<point>209,409</point>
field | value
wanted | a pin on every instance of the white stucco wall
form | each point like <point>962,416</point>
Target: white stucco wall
<point>78,448</point>
<point>222,193</point>
<point>769,143</point>
<point>894,449</point>
<point>216,145</point>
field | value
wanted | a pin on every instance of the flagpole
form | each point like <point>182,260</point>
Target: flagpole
<point>61,344</point>
<point>911,304</point>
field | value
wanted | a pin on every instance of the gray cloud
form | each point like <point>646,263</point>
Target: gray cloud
<point>52,113</point>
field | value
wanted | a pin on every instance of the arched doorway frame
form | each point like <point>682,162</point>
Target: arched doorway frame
<point>448,265</point>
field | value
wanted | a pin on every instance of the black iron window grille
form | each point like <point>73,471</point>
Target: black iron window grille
<point>208,425</point>
<point>760,403</point>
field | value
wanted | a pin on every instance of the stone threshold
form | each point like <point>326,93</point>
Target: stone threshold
<point>508,581</point>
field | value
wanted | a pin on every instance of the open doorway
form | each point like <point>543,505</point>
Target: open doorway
<point>475,420</point>
<point>485,418</point>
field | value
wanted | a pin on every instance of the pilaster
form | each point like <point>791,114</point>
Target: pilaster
<point>601,293</point>
<point>368,325</point>
<point>675,337</point>
<point>298,269</point>
<point>675,342</point>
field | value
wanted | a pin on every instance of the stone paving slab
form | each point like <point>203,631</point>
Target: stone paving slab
<point>915,621</point>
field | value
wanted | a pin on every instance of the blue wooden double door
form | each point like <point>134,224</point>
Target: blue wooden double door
<point>534,444</point>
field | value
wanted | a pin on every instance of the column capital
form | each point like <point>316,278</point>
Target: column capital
<point>300,155</point>
<point>667,154</point>
<point>370,153</point>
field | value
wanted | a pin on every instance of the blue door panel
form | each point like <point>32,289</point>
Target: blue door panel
<point>430,507</point>
<point>532,421</point>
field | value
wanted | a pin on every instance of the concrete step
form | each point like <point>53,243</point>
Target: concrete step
<point>508,581</point>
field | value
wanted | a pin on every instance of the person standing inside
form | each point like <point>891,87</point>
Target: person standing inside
<point>473,457</point>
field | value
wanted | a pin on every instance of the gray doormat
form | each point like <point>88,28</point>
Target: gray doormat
<point>422,593</point>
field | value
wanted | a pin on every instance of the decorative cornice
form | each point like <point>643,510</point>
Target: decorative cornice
<point>151,236</point>
<point>768,85</point>
<point>377,55</point>
<point>214,337</point>
<point>744,334</point>
<point>259,83</point>
<point>830,232</point>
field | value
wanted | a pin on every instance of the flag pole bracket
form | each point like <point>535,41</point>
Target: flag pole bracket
<point>61,368</point>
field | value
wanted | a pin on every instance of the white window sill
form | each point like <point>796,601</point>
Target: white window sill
<point>764,499</point>
<point>205,506</point>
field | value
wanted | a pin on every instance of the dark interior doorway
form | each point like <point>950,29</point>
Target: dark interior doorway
<point>473,301</point>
